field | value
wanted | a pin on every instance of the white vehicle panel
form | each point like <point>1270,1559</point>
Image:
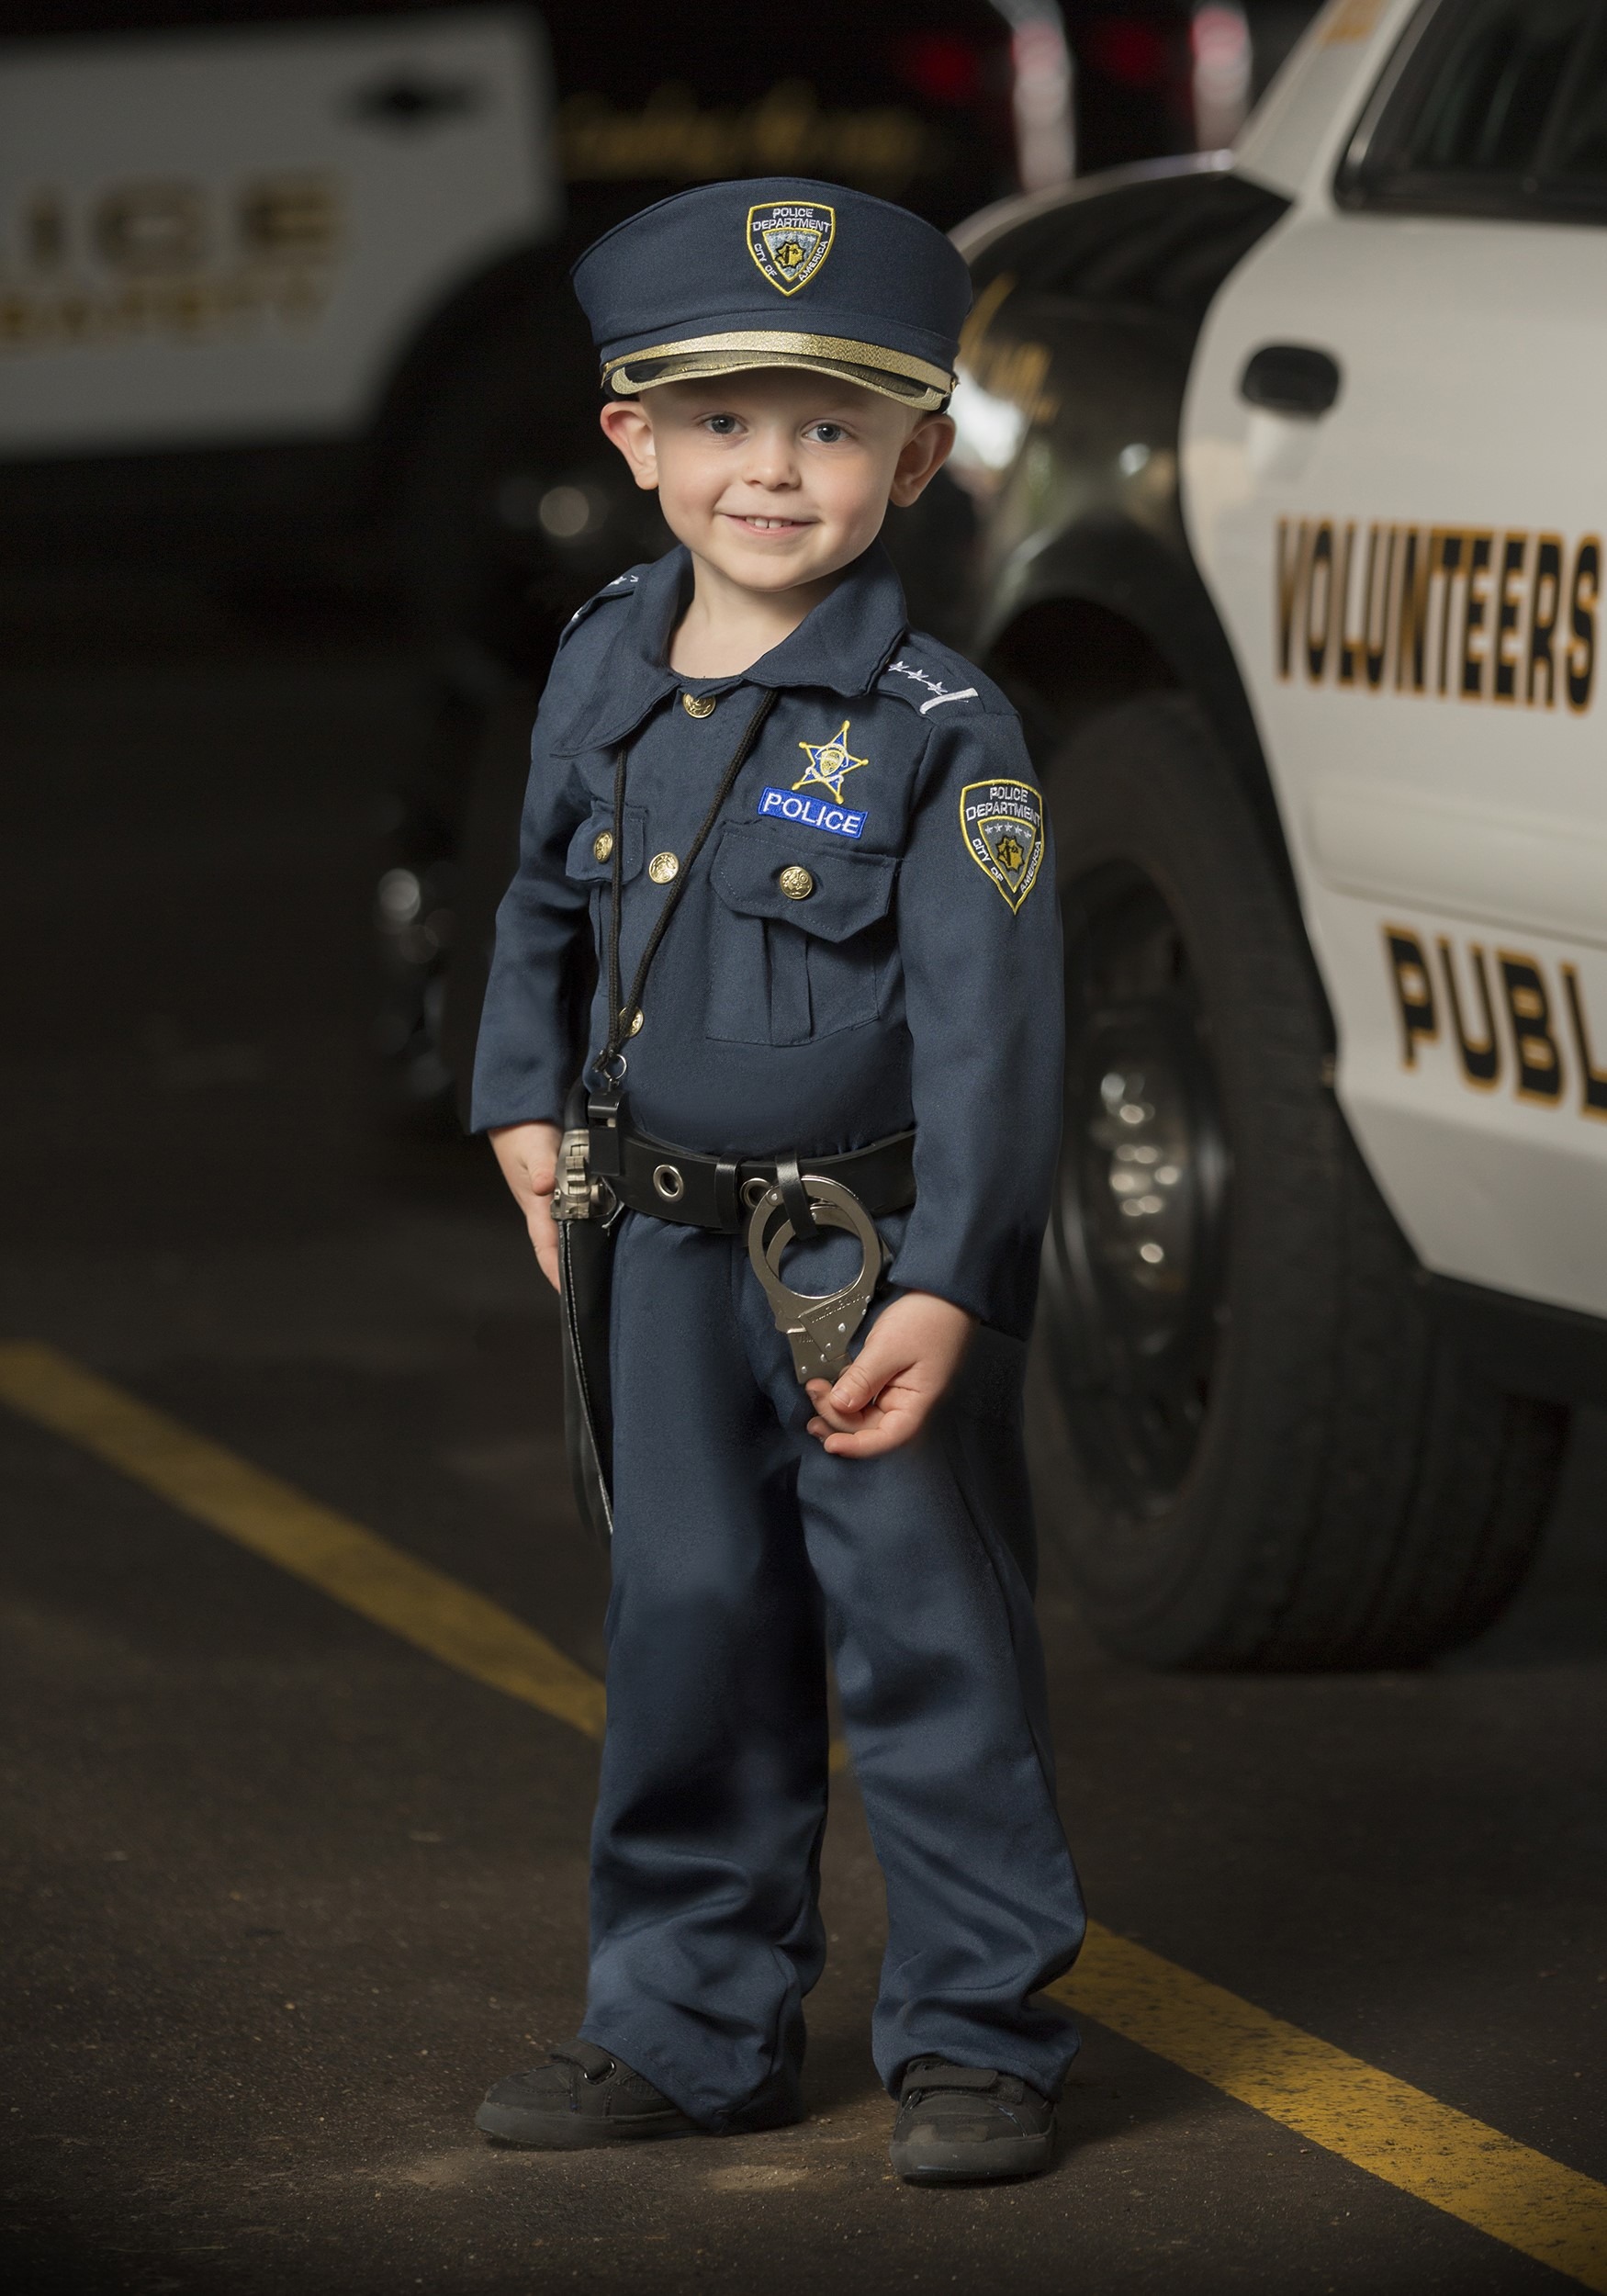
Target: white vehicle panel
<point>1507,1192</point>
<point>1411,584</point>
<point>228,235</point>
<point>1294,135</point>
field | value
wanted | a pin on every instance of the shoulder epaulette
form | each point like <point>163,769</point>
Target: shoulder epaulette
<point>931,677</point>
<point>621,587</point>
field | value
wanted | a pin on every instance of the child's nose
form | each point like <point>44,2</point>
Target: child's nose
<point>770,460</point>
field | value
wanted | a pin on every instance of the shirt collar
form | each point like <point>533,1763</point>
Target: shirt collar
<point>843,644</point>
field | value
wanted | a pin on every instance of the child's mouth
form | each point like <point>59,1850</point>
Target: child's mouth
<point>757,525</point>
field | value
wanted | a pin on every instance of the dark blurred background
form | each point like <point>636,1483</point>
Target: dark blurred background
<point>290,370</point>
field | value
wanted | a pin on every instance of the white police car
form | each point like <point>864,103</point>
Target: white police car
<point>1296,501</point>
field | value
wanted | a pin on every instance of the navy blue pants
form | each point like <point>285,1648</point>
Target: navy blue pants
<point>743,1552</point>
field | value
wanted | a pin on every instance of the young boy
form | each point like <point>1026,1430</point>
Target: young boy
<point>819,889</point>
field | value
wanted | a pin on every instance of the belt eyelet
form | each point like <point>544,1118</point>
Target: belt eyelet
<point>669,1182</point>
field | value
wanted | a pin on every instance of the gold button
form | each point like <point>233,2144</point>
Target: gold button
<point>603,845</point>
<point>636,1027</point>
<point>797,882</point>
<point>699,704</point>
<point>662,867</point>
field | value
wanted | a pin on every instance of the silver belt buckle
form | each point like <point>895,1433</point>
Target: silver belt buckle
<point>572,1184</point>
<point>575,1195</point>
<point>817,1326</point>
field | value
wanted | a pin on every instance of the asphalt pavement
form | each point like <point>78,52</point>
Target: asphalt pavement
<point>283,1891</point>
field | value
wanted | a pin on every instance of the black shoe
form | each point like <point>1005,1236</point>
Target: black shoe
<point>580,2096</point>
<point>956,2121</point>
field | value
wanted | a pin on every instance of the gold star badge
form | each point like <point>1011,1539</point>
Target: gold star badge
<point>829,763</point>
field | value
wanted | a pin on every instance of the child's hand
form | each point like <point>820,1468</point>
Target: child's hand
<point>528,1155</point>
<point>887,1393</point>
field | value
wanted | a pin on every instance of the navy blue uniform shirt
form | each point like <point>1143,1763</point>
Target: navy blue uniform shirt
<point>868,941</point>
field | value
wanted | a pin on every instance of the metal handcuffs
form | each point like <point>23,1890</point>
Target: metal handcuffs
<point>817,1326</point>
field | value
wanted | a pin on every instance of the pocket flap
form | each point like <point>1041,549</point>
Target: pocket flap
<point>848,888</point>
<point>583,864</point>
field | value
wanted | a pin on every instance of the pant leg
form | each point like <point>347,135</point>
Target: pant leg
<point>705,1847</point>
<point>941,1671</point>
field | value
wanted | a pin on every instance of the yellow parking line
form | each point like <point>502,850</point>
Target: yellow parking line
<point>275,1521</point>
<point>1517,2196</point>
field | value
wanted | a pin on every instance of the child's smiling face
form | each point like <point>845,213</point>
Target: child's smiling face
<point>779,476</point>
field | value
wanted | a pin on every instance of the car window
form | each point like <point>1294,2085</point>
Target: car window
<point>1500,108</point>
<point>1485,112</point>
<point>1161,244</point>
<point>1576,149</point>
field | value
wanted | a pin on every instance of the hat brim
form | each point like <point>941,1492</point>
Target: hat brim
<point>912,382</point>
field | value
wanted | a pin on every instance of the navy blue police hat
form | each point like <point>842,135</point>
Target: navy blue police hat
<point>777,271</point>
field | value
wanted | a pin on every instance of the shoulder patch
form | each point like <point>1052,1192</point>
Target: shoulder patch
<point>1002,823</point>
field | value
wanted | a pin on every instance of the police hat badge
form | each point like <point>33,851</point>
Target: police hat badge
<point>790,239</point>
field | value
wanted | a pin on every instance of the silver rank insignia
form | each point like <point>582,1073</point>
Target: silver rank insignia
<point>1002,826</point>
<point>790,239</point>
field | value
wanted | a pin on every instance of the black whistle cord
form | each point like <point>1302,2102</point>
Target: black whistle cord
<point>621,1013</point>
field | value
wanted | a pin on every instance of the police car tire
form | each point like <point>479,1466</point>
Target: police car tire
<point>1357,1497</point>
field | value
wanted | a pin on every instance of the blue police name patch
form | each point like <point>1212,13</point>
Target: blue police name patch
<point>1002,823</point>
<point>809,813</point>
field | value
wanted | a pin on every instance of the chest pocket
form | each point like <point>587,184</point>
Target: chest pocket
<point>587,865</point>
<point>796,959</point>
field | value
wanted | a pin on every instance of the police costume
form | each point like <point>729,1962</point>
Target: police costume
<point>858,988</point>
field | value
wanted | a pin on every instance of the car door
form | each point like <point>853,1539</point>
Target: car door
<point>220,235</point>
<point>1396,488</point>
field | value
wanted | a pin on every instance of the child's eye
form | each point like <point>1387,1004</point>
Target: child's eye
<point>829,433</point>
<point>722,425</point>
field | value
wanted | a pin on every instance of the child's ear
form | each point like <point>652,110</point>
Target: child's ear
<point>926,451</point>
<point>631,430</point>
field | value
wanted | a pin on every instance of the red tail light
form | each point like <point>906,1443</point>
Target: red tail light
<point>940,66</point>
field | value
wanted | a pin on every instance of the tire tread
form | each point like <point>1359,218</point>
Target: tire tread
<point>1367,1498</point>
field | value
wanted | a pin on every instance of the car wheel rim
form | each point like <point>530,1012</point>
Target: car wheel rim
<point>1136,1250</point>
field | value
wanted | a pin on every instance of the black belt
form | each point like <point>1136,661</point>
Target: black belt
<point>699,1191</point>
